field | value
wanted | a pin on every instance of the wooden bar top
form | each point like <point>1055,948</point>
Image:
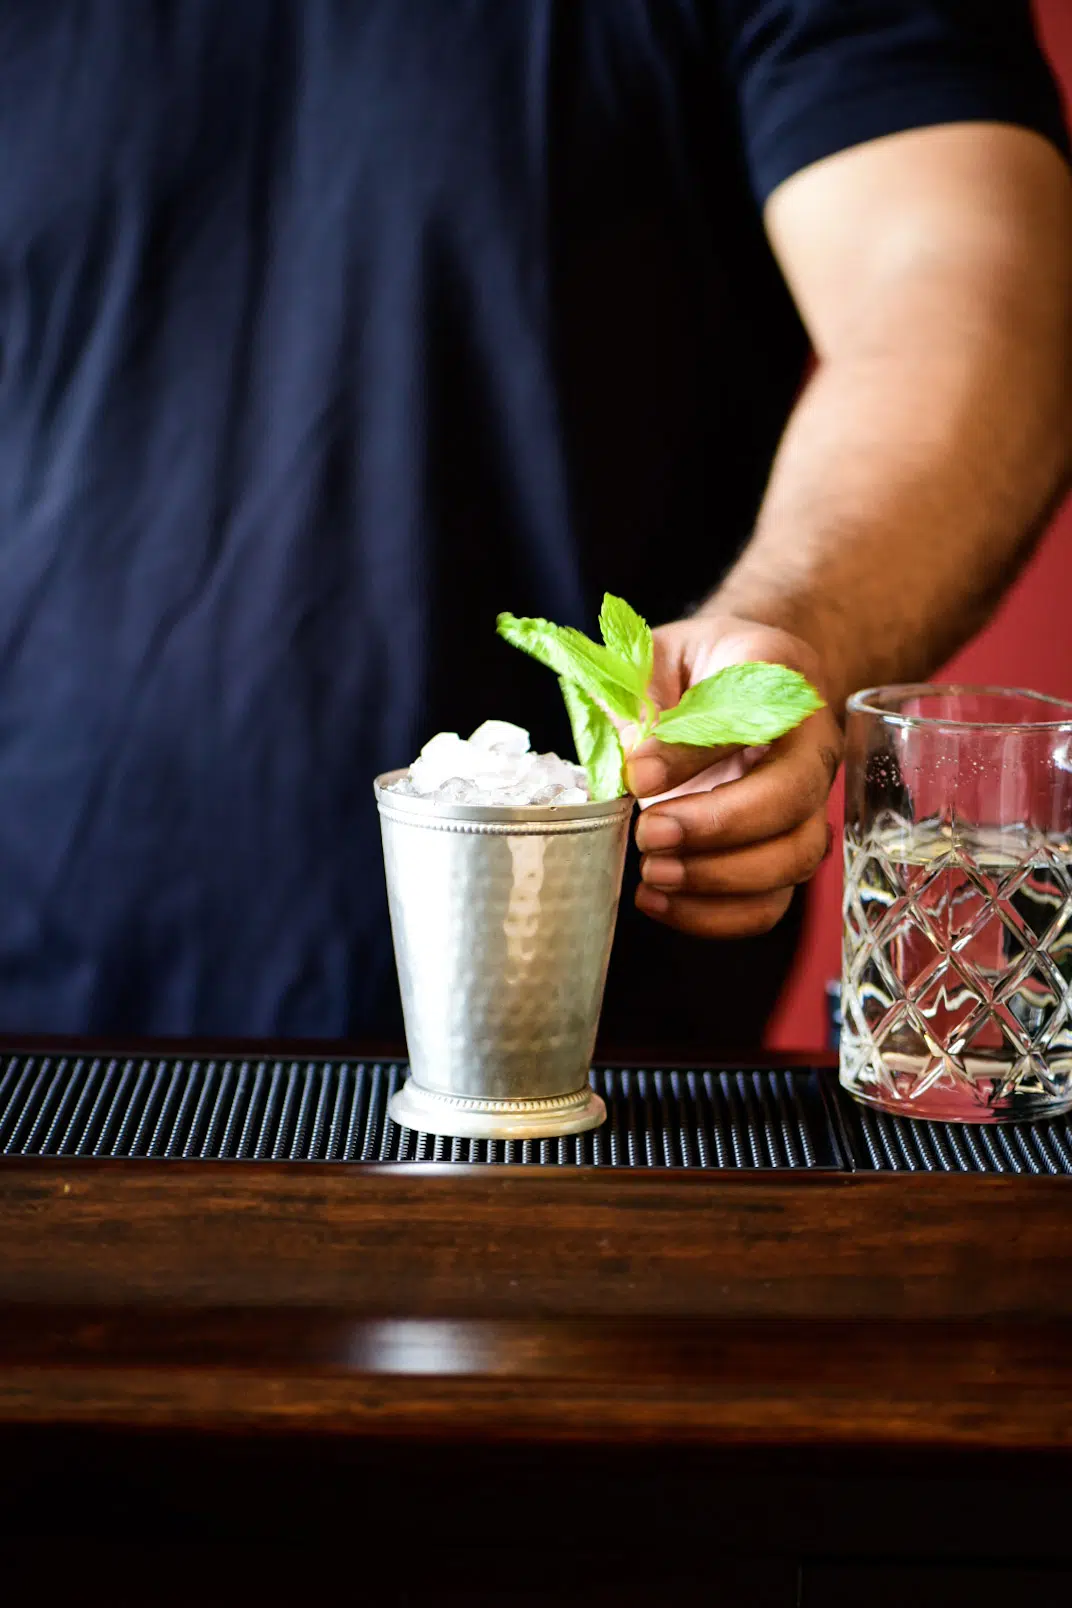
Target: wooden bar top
<point>538,1304</point>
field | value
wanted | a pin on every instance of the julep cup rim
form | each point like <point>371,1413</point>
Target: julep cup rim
<point>881,703</point>
<point>430,808</point>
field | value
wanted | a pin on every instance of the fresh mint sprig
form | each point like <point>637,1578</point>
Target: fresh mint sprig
<point>743,705</point>
<point>596,739</point>
<point>629,636</point>
<point>613,681</point>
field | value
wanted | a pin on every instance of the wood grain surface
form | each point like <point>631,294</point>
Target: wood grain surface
<point>676,1381</point>
<point>539,1304</point>
<point>440,1241</point>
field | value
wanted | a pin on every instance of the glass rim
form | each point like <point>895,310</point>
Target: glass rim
<point>868,702</point>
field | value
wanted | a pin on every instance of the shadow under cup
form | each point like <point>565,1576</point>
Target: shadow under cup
<point>957,949</point>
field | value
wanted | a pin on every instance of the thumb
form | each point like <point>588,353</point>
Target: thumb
<point>654,768</point>
<point>670,771</point>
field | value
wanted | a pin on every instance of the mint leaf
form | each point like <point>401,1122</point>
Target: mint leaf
<point>627,635</point>
<point>605,676</point>
<point>740,706</point>
<point>598,747</point>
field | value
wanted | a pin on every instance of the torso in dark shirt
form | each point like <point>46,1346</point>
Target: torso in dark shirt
<point>329,329</point>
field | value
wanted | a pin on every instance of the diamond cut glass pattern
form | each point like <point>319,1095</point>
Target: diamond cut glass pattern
<point>957,973</point>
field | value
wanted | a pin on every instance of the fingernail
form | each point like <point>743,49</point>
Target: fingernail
<point>658,832</point>
<point>655,904</point>
<point>647,776</point>
<point>663,872</point>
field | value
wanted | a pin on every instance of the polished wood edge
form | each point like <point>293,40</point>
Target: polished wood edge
<point>477,1411</point>
<point>952,1386</point>
<point>685,1351</point>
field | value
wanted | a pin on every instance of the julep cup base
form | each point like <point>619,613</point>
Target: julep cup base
<point>502,921</point>
<point>457,1117</point>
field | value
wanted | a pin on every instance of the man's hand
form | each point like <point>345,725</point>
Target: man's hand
<point>721,858</point>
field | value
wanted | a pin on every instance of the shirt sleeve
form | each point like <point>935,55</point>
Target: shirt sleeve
<point>813,77</point>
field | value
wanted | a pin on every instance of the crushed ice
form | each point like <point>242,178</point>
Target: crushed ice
<point>495,765</point>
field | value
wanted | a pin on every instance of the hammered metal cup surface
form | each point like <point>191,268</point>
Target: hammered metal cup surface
<point>502,921</point>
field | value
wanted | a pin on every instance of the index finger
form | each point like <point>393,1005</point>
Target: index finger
<point>782,792</point>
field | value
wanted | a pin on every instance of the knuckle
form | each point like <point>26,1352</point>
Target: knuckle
<point>830,755</point>
<point>813,791</point>
<point>823,763</point>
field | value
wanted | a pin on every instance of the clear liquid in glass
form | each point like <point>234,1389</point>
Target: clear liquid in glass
<point>957,974</point>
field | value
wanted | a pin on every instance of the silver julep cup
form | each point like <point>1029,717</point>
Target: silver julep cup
<point>502,921</point>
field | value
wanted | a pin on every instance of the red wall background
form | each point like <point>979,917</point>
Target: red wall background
<point>1027,645</point>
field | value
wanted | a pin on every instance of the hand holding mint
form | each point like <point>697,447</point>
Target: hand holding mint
<point>743,705</point>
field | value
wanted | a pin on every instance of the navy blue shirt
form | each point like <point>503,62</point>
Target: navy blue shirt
<point>328,328</point>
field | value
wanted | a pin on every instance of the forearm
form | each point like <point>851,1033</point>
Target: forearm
<point>923,457</point>
<point>897,514</point>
